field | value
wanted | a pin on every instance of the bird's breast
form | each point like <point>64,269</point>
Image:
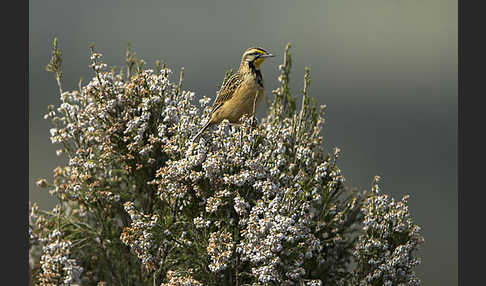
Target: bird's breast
<point>246,98</point>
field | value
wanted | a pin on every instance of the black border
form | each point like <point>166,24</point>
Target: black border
<point>471,144</point>
<point>15,134</point>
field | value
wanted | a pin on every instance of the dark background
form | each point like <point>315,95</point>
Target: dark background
<point>386,69</point>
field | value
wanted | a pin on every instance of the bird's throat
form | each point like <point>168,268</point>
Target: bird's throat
<point>256,72</point>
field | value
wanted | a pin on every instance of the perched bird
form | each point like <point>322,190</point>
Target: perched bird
<point>241,93</point>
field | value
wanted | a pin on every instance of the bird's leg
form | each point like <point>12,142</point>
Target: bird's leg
<point>253,118</point>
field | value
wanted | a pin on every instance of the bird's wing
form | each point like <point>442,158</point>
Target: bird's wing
<point>227,91</point>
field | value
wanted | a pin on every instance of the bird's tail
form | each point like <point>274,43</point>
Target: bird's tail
<point>206,126</point>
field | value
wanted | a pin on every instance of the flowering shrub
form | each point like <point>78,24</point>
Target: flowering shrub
<point>261,204</point>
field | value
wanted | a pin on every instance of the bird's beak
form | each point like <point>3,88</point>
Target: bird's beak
<point>269,55</point>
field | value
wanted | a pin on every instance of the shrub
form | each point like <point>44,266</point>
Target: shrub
<point>260,204</point>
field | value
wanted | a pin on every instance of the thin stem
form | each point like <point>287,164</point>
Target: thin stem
<point>181,79</point>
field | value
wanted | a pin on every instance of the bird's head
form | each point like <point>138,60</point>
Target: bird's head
<point>255,56</point>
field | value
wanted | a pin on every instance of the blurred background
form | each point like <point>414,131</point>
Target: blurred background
<point>386,69</point>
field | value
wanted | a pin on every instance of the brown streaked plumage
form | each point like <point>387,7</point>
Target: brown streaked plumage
<point>241,93</point>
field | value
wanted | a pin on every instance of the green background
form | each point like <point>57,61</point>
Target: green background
<point>386,69</point>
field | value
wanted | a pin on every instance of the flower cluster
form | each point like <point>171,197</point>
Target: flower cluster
<point>257,204</point>
<point>57,265</point>
<point>175,278</point>
<point>220,250</point>
<point>139,236</point>
<point>385,250</point>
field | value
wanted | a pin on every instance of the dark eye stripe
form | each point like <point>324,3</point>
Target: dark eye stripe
<point>256,52</point>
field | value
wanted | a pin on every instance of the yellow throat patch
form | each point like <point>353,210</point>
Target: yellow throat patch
<point>258,62</point>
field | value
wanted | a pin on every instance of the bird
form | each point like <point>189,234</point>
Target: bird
<point>241,93</point>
